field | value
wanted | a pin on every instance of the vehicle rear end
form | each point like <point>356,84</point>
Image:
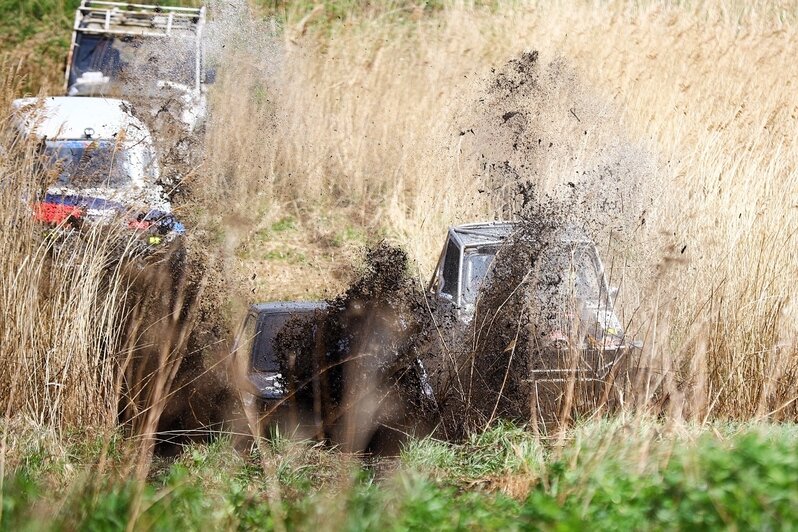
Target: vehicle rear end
<point>139,52</point>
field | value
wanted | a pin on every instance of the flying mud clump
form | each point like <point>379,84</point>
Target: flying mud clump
<point>359,376</point>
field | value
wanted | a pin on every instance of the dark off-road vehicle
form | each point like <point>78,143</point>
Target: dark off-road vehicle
<point>254,347</point>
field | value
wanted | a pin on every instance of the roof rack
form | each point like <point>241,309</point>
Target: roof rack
<point>483,233</point>
<point>118,18</point>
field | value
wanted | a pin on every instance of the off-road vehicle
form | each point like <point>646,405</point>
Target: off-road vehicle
<point>468,255</point>
<point>101,167</point>
<point>584,340</point>
<point>137,51</point>
<point>538,317</point>
<point>255,350</point>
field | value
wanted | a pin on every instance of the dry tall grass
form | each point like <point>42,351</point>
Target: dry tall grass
<point>62,309</point>
<point>83,309</point>
<point>367,116</point>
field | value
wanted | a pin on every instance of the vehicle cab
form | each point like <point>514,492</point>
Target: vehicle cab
<point>464,263</point>
<point>135,50</point>
<point>570,281</point>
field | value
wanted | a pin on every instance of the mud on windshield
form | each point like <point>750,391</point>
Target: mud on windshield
<point>476,264</point>
<point>570,273</point>
<point>91,163</point>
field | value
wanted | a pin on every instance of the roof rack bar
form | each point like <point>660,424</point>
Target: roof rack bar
<point>89,4</point>
<point>117,18</point>
<point>123,32</point>
<point>89,11</point>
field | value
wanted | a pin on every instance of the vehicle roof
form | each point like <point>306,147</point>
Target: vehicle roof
<point>68,117</point>
<point>276,307</point>
<point>482,233</point>
<point>494,233</point>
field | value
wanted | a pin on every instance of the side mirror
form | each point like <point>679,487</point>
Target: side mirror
<point>210,76</point>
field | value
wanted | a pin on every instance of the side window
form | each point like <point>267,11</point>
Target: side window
<point>451,270</point>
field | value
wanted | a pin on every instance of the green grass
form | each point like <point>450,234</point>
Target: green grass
<point>284,224</point>
<point>349,234</point>
<point>605,476</point>
<point>500,451</point>
<point>286,255</point>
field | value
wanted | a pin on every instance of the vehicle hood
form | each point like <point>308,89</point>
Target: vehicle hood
<point>61,117</point>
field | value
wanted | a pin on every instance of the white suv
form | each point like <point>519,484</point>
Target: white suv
<point>102,165</point>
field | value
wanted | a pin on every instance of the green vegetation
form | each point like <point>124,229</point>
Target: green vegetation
<point>283,224</point>
<point>614,477</point>
<point>288,255</point>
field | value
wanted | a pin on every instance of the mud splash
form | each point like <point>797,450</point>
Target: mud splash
<point>182,329</point>
<point>554,159</point>
<point>360,375</point>
<point>540,134</point>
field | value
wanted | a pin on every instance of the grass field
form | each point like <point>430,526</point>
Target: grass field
<point>606,475</point>
<point>339,124</point>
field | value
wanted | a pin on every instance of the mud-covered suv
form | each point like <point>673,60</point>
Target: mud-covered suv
<point>468,256</point>
<point>538,315</point>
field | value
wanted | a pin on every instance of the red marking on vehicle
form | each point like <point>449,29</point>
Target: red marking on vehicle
<point>56,213</point>
<point>139,224</point>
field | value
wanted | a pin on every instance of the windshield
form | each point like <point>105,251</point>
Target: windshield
<point>263,358</point>
<point>475,268</point>
<point>88,163</point>
<point>134,64</point>
<point>248,334</point>
<point>569,272</point>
